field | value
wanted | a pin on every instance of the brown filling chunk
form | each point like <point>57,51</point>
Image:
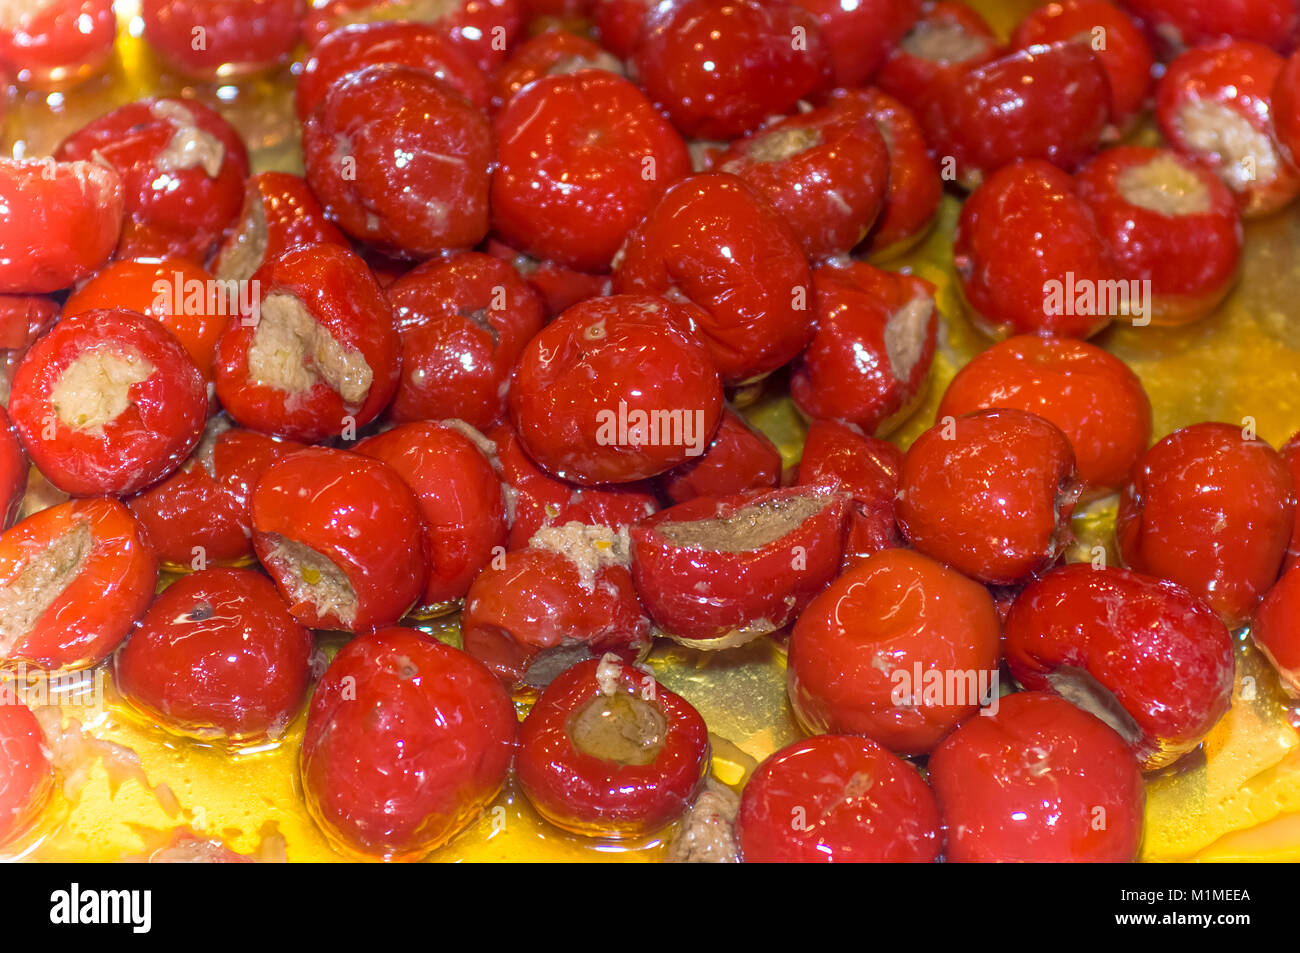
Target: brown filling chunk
<point>41,582</point>
<point>748,528</point>
<point>190,147</point>
<point>246,250</point>
<point>1165,186</point>
<point>622,728</point>
<point>944,43</point>
<point>291,352</point>
<point>905,335</point>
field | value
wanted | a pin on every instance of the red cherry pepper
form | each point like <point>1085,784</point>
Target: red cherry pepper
<point>73,578</point>
<point>943,44</point>
<point>842,457</point>
<point>715,247</point>
<point>552,53</point>
<point>621,24</point>
<point>825,171</point>
<point>837,799</point>
<point>1275,629</point>
<point>990,494</point>
<point>107,403</point>
<point>319,355</point>
<point>237,38</point>
<point>57,42</point>
<point>1047,102</point>
<point>869,361</point>
<point>343,538</point>
<point>1213,511</point>
<point>176,293</point>
<point>1030,258</point>
<point>413,188</point>
<point>460,499</point>
<point>200,514</point>
<point>536,499</point>
<point>720,571</point>
<point>914,190</point>
<point>1039,782</point>
<point>581,159</point>
<point>218,656</point>
<point>1213,105</point>
<point>407,741</point>
<point>614,390</point>
<point>463,321</point>
<point>1168,221</point>
<point>61,223</point>
<point>561,288</point>
<point>28,778</point>
<point>739,458</point>
<point>720,67</point>
<point>568,595</point>
<point>13,473</point>
<point>483,29</point>
<point>608,752</point>
<point>1091,395</point>
<point>1182,23</point>
<point>182,167</point>
<point>1143,654</point>
<point>422,46</point>
<point>1111,34</point>
<point>279,214</point>
<point>899,648</point>
<point>860,35</point>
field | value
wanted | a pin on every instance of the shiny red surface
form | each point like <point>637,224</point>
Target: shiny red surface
<point>856,650</point>
<point>854,801</point>
<point>27,777</point>
<point>1039,781</point>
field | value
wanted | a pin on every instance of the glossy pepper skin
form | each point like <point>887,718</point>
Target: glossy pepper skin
<point>856,650</point>
<point>842,457</point>
<point>116,571</point>
<point>1213,511</point>
<point>705,579</point>
<point>1049,102</point>
<point>63,222</point>
<point>1091,395</point>
<point>581,158</point>
<point>13,473</point>
<point>239,38</point>
<point>858,804</point>
<point>1024,228</point>
<point>1167,220</point>
<point>869,361</point>
<point>463,320</point>
<point>28,778</point>
<point>218,656</point>
<point>719,68</point>
<point>739,458</point>
<point>860,36</point>
<point>355,512</point>
<point>407,740</point>
<point>346,305</point>
<point>482,29</point>
<point>1039,781</point>
<point>401,160</point>
<point>200,514</point>
<point>1213,104</point>
<point>914,187</point>
<point>584,790</point>
<point>421,46</point>
<point>990,494</point>
<point>1127,56</point>
<point>1179,24</point>
<point>182,168</point>
<point>717,249</point>
<point>459,495</point>
<point>280,213</point>
<point>1143,653</point>
<point>90,437</point>
<point>586,387</point>
<point>550,53</point>
<point>57,43</point>
<point>1276,629</point>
